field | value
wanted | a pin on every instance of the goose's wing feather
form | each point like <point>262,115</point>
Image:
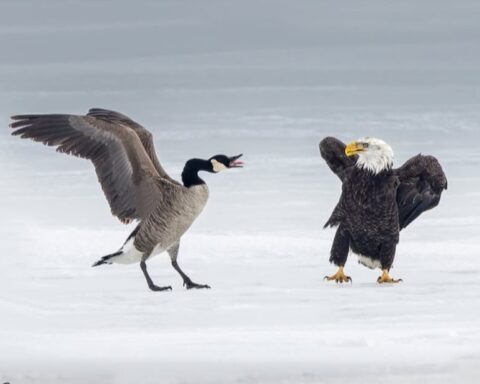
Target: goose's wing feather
<point>126,173</point>
<point>144,134</point>
<point>333,151</point>
<point>422,182</point>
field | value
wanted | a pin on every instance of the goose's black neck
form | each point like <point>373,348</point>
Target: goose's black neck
<point>190,171</point>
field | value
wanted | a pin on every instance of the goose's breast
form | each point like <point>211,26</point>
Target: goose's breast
<point>167,224</point>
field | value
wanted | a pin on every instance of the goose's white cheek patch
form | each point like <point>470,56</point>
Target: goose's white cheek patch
<point>217,166</point>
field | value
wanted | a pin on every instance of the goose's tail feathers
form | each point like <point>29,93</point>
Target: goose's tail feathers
<point>106,259</point>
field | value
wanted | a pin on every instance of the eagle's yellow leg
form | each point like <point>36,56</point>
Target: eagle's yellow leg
<point>339,276</point>
<point>386,278</point>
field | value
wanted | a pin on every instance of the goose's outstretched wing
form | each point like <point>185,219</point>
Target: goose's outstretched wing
<point>422,182</point>
<point>144,134</point>
<point>333,151</point>
<point>129,179</point>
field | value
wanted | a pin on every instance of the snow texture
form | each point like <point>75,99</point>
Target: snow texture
<point>269,79</point>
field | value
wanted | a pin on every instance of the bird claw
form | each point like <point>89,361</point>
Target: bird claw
<point>339,277</point>
<point>386,278</point>
<point>346,279</point>
<point>392,281</point>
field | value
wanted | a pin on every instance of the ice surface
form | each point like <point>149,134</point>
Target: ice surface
<point>269,79</point>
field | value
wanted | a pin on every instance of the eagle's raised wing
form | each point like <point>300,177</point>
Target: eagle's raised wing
<point>127,174</point>
<point>145,136</point>
<point>422,182</point>
<point>333,151</point>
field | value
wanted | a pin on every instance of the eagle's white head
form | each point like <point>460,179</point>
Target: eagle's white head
<point>373,154</point>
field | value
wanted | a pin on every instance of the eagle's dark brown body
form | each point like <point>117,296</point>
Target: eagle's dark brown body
<point>367,215</point>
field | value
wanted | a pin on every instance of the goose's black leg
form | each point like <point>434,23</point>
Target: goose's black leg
<point>187,282</point>
<point>152,286</point>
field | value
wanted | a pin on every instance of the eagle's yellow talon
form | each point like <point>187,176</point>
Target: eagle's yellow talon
<point>339,277</point>
<point>386,278</point>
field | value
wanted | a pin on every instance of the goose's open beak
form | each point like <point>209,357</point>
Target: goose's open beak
<point>234,162</point>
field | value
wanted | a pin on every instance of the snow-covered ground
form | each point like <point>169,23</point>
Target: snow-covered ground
<point>269,79</point>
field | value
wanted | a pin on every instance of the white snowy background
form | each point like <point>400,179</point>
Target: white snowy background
<point>269,79</point>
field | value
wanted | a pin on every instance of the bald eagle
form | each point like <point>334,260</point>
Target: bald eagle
<point>377,201</point>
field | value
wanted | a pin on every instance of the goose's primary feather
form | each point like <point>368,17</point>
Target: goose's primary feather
<point>120,149</point>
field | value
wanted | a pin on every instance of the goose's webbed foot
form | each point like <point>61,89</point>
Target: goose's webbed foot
<point>156,288</point>
<point>189,284</point>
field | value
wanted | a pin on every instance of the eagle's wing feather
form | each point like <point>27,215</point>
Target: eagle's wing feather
<point>125,171</point>
<point>422,182</point>
<point>333,151</point>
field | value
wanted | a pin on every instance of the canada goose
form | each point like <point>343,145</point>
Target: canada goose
<point>135,184</point>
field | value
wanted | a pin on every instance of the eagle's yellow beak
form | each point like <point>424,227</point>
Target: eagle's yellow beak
<point>354,148</point>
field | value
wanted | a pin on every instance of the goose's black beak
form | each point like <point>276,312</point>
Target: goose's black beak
<point>234,162</point>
